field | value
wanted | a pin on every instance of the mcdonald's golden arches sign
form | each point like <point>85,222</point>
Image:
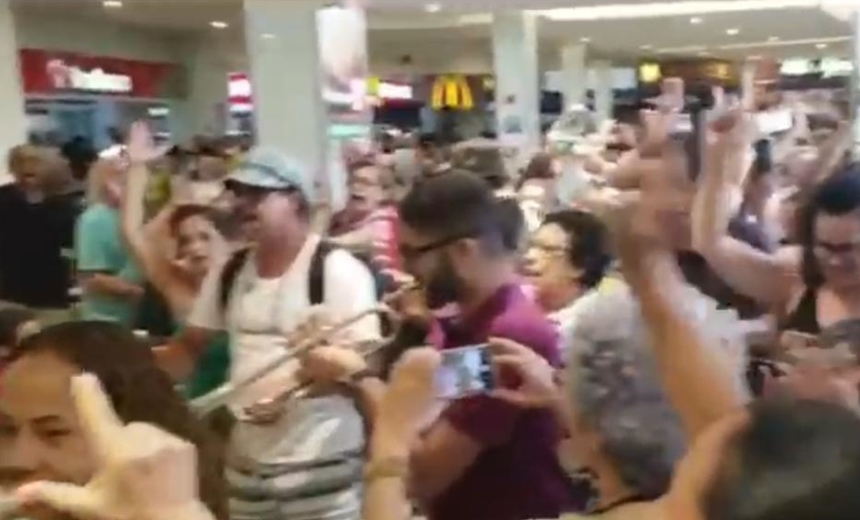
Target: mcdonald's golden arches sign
<point>451,92</point>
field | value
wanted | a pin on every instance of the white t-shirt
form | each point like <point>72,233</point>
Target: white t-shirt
<point>262,312</point>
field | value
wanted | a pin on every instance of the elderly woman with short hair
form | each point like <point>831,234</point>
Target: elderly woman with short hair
<point>625,432</point>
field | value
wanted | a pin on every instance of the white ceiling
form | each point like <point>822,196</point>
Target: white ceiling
<point>405,24</point>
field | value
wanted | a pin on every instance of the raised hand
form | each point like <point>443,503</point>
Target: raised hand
<point>140,147</point>
<point>144,473</point>
<point>538,388</point>
<point>411,397</point>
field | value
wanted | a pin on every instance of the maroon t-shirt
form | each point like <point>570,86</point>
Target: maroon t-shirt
<point>517,476</point>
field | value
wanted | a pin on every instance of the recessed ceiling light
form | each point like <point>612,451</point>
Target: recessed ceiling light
<point>695,20</point>
<point>704,53</point>
<point>585,39</point>
<point>112,3</point>
<point>218,24</point>
<point>820,45</point>
<point>773,39</point>
<point>267,36</point>
<point>433,8</point>
<point>646,47</point>
<point>733,32</point>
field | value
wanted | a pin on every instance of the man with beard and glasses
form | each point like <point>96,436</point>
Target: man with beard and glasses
<point>482,459</point>
<point>305,463</point>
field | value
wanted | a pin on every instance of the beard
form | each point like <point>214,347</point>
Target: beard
<point>444,286</point>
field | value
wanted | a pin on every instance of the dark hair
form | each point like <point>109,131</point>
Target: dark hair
<point>487,163</point>
<point>838,195</point>
<point>796,460</point>
<point>512,222</point>
<point>183,213</point>
<point>11,319</point>
<point>451,204</point>
<point>539,167</point>
<point>587,243</point>
<point>138,389</point>
<point>116,135</point>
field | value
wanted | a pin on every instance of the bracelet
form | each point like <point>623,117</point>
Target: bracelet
<point>386,468</point>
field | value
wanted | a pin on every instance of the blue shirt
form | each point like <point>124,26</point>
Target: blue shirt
<point>99,248</point>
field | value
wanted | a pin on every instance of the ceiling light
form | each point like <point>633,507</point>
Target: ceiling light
<point>433,8</point>
<point>585,39</point>
<point>694,8</point>
<point>704,54</point>
<point>112,3</point>
<point>646,47</point>
<point>785,43</point>
<point>733,32</point>
<point>218,24</point>
<point>267,36</point>
<point>773,39</point>
<point>820,45</point>
<point>695,20</point>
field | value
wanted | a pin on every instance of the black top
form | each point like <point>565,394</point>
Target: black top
<point>33,270</point>
<point>804,317</point>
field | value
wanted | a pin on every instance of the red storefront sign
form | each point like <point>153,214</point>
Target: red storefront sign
<point>52,72</point>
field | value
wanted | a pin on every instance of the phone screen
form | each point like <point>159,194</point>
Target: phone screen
<point>464,371</point>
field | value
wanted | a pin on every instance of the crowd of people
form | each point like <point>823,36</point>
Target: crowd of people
<point>672,330</point>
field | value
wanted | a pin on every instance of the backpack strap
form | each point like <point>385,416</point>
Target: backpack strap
<point>228,277</point>
<point>316,277</point>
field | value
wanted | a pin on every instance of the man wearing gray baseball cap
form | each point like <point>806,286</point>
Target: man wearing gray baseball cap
<point>302,466</point>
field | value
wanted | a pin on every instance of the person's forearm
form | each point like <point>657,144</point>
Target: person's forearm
<point>695,381</point>
<point>711,208</point>
<point>105,284</point>
<point>387,497</point>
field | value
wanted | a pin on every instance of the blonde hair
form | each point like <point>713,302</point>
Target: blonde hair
<point>20,155</point>
<point>101,173</point>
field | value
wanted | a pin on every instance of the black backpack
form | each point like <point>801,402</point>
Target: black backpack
<point>316,287</point>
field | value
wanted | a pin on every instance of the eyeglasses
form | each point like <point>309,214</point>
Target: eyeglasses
<point>253,193</point>
<point>412,253</point>
<point>831,250</point>
<point>551,249</point>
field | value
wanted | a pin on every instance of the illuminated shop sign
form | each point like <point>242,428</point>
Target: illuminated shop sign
<point>826,68</point>
<point>451,92</point>
<point>65,76</point>
<point>240,91</point>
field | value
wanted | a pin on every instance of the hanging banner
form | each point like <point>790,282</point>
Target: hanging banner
<point>342,33</point>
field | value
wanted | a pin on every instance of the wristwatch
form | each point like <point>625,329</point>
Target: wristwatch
<point>386,468</point>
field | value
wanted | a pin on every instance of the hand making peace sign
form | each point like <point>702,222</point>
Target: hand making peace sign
<point>144,472</point>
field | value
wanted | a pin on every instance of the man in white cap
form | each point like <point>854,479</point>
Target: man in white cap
<point>306,463</point>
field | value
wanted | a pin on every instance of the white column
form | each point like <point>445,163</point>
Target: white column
<point>602,86</point>
<point>515,60</point>
<point>574,74</point>
<point>204,111</point>
<point>286,77</point>
<point>13,130</point>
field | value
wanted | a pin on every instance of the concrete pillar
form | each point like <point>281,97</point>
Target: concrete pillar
<point>13,130</point>
<point>574,74</point>
<point>515,61</point>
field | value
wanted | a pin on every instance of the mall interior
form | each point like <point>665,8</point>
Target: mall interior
<point>429,259</point>
<point>224,66</point>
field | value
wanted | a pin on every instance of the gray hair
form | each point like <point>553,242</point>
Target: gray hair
<point>617,393</point>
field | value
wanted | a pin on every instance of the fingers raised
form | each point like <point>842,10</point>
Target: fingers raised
<point>99,421</point>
